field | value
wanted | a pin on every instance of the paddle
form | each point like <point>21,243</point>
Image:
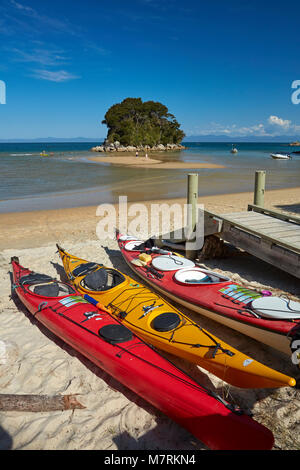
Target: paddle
<point>97,304</point>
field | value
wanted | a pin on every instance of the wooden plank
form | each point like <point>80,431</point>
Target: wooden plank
<point>245,221</point>
<point>286,226</point>
<point>255,218</point>
<point>245,215</point>
<point>290,239</point>
<point>274,228</point>
<point>275,255</point>
<point>38,403</point>
<point>291,246</point>
<point>272,213</point>
<point>265,223</point>
<point>294,239</point>
<point>280,230</point>
<point>227,222</point>
<point>283,253</point>
<point>258,220</point>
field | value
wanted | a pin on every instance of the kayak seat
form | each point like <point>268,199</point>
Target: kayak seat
<point>205,280</point>
<point>196,276</point>
<point>103,279</point>
<point>53,289</point>
<point>47,290</point>
<point>84,268</point>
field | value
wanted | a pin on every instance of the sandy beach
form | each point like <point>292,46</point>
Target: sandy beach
<point>143,162</point>
<point>33,361</point>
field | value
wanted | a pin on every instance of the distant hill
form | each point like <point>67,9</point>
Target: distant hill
<point>54,139</point>
<point>223,138</point>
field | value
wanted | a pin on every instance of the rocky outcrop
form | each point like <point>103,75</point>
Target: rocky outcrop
<point>117,147</point>
<point>296,144</point>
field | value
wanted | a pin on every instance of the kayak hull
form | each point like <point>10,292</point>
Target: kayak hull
<point>275,340</point>
<point>142,370</point>
<point>213,302</point>
<point>140,308</point>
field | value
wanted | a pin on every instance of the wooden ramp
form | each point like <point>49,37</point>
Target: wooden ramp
<point>269,235</point>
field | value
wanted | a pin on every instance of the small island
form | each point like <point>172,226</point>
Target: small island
<point>134,125</point>
<point>295,144</point>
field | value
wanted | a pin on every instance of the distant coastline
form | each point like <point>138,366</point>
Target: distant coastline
<point>288,140</point>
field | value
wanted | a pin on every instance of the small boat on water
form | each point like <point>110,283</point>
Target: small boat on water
<point>281,156</point>
<point>44,154</point>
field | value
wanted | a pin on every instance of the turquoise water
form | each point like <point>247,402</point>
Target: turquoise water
<point>29,181</point>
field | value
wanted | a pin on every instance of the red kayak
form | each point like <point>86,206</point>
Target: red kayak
<point>115,349</point>
<point>272,320</point>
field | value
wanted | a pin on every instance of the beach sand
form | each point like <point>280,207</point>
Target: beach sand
<point>142,161</point>
<point>33,361</point>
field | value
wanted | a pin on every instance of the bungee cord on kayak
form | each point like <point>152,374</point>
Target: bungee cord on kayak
<point>167,328</point>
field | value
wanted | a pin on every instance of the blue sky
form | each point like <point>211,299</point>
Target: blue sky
<point>222,67</point>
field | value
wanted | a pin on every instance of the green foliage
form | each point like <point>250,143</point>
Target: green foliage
<point>133,122</point>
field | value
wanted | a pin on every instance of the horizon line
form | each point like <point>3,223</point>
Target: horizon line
<point>101,139</point>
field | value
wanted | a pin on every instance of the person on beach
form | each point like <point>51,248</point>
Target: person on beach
<point>146,155</point>
<point>136,153</point>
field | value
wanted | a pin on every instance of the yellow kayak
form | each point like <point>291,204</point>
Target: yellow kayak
<point>160,324</point>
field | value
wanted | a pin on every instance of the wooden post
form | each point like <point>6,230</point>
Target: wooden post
<point>38,403</point>
<point>192,199</point>
<point>259,188</point>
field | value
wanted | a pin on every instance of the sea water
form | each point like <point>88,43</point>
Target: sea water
<point>30,181</point>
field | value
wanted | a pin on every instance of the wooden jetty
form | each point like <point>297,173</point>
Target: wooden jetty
<point>267,234</point>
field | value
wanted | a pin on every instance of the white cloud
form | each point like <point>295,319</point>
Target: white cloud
<point>45,57</point>
<point>273,127</point>
<point>230,130</point>
<point>54,76</point>
<point>19,6</point>
<point>285,123</point>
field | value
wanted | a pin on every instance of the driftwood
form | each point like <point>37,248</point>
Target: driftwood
<point>9,402</point>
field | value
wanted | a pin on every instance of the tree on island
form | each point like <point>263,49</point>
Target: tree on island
<point>134,122</point>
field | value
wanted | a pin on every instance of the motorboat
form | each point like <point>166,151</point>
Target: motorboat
<point>281,156</point>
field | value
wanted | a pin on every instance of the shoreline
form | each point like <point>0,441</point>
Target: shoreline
<point>34,361</point>
<point>37,227</point>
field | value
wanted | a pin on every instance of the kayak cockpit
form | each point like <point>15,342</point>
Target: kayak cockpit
<point>45,286</point>
<point>84,268</point>
<point>102,279</point>
<point>196,276</point>
<point>52,289</point>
